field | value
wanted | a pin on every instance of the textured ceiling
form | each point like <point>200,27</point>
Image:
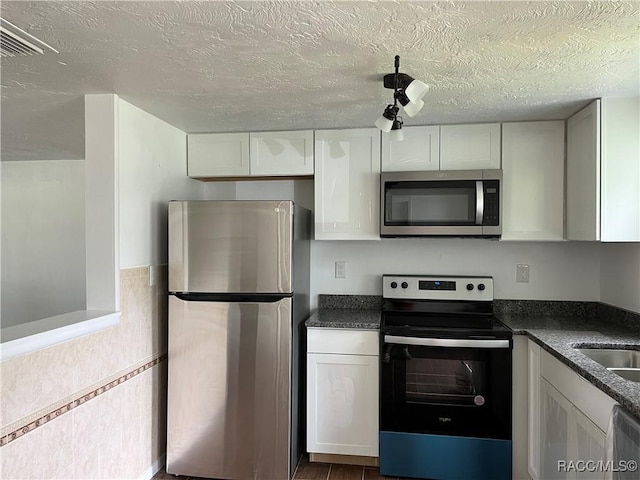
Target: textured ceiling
<point>247,66</point>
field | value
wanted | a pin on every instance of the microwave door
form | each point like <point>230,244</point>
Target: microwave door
<point>479,202</point>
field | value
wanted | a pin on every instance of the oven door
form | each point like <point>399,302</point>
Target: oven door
<point>446,386</point>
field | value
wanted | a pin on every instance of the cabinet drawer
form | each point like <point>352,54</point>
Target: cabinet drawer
<point>588,398</point>
<point>344,341</point>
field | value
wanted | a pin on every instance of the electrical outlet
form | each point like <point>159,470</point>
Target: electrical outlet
<point>341,270</point>
<point>522,273</point>
<point>152,275</point>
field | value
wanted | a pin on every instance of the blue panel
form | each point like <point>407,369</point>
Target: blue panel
<point>444,458</point>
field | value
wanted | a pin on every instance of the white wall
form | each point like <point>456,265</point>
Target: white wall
<point>300,191</point>
<point>152,171</point>
<point>620,275</point>
<point>558,271</point>
<point>43,239</point>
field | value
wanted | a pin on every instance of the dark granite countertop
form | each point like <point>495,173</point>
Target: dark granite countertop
<point>561,335</point>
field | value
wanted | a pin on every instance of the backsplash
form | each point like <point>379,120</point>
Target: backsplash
<point>545,307</point>
<point>361,302</point>
<point>619,315</point>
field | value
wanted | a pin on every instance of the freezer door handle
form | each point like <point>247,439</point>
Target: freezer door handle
<point>231,297</point>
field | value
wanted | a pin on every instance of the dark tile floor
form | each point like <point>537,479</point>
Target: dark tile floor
<point>313,471</point>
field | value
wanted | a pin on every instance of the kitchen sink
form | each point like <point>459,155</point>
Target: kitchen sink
<point>613,358</point>
<point>624,363</point>
<point>632,374</point>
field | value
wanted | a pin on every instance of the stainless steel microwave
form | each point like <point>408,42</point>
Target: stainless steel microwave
<point>441,203</point>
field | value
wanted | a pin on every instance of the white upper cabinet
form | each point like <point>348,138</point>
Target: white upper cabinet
<point>420,150</point>
<point>281,153</point>
<point>533,180</point>
<point>250,154</point>
<point>218,154</point>
<point>620,177</point>
<point>603,171</point>
<point>470,147</point>
<point>583,174</point>
<point>347,184</point>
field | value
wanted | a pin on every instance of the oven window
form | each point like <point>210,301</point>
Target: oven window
<point>445,382</point>
<point>430,203</point>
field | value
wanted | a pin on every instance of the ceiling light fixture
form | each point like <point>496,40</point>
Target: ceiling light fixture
<point>408,92</point>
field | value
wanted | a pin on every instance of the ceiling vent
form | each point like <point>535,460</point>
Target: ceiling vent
<point>16,42</point>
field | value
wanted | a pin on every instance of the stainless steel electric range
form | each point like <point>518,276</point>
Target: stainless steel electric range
<point>445,386</point>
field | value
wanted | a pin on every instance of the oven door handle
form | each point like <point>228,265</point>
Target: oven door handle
<point>447,342</point>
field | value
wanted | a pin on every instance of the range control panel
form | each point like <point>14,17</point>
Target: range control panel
<point>433,287</point>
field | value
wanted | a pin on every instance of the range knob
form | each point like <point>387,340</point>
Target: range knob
<point>481,286</point>
<point>470,286</point>
<point>394,285</point>
<point>404,285</point>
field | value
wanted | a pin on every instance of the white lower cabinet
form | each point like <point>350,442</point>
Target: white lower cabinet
<point>568,417</point>
<point>533,411</point>
<point>342,394</point>
<point>590,444</point>
<point>555,411</point>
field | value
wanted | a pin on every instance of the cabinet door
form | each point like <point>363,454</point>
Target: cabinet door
<point>470,147</point>
<point>347,184</point>
<point>620,173</point>
<point>533,181</point>
<point>342,404</point>
<point>590,444</point>
<point>555,440</point>
<point>281,153</point>
<point>534,410</point>
<point>218,154</point>
<point>583,174</point>
<point>420,150</point>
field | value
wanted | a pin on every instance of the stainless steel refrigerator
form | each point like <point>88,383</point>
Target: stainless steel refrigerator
<point>238,296</point>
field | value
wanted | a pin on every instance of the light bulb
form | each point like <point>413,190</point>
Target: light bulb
<point>416,90</point>
<point>384,124</point>
<point>396,135</point>
<point>412,108</point>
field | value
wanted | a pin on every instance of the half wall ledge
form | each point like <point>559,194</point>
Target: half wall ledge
<point>39,334</point>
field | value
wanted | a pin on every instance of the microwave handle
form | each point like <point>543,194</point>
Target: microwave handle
<point>479,202</point>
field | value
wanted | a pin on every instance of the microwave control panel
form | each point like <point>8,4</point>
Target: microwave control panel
<point>491,202</point>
